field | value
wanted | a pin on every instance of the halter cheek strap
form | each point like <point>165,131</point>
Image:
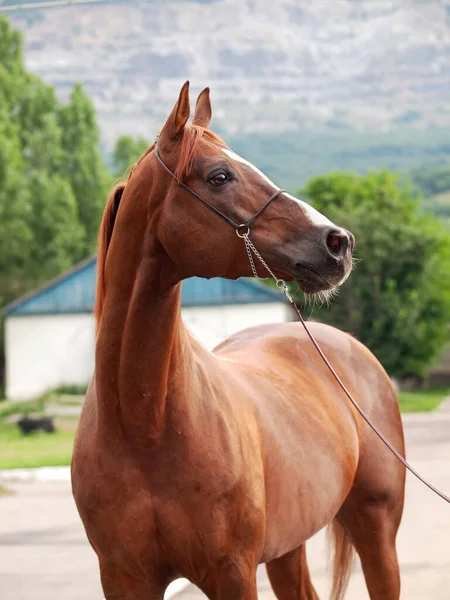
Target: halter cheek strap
<point>241,228</point>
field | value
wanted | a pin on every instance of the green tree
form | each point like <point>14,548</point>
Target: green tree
<point>11,65</point>
<point>40,134</point>
<point>15,209</point>
<point>83,166</point>
<point>126,152</point>
<point>432,180</point>
<point>53,182</point>
<point>397,300</point>
<point>57,232</point>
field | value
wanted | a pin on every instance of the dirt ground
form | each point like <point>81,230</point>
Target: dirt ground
<point>44,553</point>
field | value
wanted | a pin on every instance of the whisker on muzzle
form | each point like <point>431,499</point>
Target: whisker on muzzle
<point>319,299</point>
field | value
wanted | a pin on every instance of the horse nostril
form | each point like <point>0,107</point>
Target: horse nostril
<point>338,242</point>
<point>334,243</point>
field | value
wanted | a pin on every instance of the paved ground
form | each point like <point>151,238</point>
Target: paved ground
<point>44,553</point>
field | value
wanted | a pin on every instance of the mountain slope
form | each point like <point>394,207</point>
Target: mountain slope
<point>272,66</point>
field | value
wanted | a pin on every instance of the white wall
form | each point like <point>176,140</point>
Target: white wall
<point>43,352</point>
<point>212,324</point>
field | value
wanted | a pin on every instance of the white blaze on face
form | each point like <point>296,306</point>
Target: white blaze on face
<point>314,216</point>
<point>238,158</point>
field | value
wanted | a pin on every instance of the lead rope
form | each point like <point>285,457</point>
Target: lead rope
<point>282,285</point>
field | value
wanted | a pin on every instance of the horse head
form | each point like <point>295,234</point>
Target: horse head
<point>190,194</point>
<point>297,242</point>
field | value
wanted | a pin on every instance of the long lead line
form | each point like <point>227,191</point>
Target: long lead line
<point>243,232</point>
<point>281,284</point>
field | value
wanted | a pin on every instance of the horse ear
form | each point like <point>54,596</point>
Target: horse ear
<point>203,112</point>
<point>177,120</point>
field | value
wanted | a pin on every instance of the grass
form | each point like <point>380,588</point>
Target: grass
<point>422,400</point>
<point>36,449</point>
<point>63,398</point>
<point>43,449</point>
<point>70,390</point>
<point>8,409</point>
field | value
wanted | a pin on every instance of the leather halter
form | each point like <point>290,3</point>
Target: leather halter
<point>241,228</point>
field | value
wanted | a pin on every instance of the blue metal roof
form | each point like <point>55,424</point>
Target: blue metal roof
<point>74,292</point>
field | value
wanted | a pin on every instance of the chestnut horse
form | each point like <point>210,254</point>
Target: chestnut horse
<point>198,464</point>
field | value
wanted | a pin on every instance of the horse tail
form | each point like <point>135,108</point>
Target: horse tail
<point>343,558</point>
<point>104,238</point>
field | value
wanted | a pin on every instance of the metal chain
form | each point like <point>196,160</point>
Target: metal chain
<point>248,247</point>
<point>280,283</point>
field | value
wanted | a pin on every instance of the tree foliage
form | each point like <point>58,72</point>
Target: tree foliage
<point>127,152</point>
<point>53,183</point>
<point>397,300</point>
<point>432,180</point>
<point>52,178</point>
<point>83,166</point>
<point>434,184</point>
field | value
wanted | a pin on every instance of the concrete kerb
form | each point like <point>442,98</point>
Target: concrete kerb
<point>38,474</point>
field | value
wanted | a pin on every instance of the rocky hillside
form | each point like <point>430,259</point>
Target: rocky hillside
<point>272,64</point>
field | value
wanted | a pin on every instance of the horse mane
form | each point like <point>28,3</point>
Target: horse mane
<point>192,134</point>
<point>191,137</point>
<point>104,237</point>
<point>105,234</point>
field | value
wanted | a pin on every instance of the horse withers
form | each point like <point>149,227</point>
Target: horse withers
<point>198,464</point>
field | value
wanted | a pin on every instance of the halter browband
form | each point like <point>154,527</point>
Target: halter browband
<point>240,228</point>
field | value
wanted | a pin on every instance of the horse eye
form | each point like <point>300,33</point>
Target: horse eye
<point>219,179</point>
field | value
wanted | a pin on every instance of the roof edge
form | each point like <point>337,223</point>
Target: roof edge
<point>275,293</point>
<point>12,306</point>
<point>9,308</point>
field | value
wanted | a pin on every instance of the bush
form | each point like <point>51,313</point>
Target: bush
<point>397,300</point>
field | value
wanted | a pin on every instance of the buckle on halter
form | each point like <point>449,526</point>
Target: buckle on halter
<point>243,230</point>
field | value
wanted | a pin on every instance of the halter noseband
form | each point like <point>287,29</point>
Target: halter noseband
<point>242,229</point>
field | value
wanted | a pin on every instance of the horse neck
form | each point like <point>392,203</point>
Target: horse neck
<point>143,348</point>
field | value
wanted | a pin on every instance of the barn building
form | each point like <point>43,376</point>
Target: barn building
<point>49,334</point>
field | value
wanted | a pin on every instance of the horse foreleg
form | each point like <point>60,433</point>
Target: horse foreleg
<point>289,576</point>
<point>243,592</point>
<point>231,583</point>
<point>119,584</point>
